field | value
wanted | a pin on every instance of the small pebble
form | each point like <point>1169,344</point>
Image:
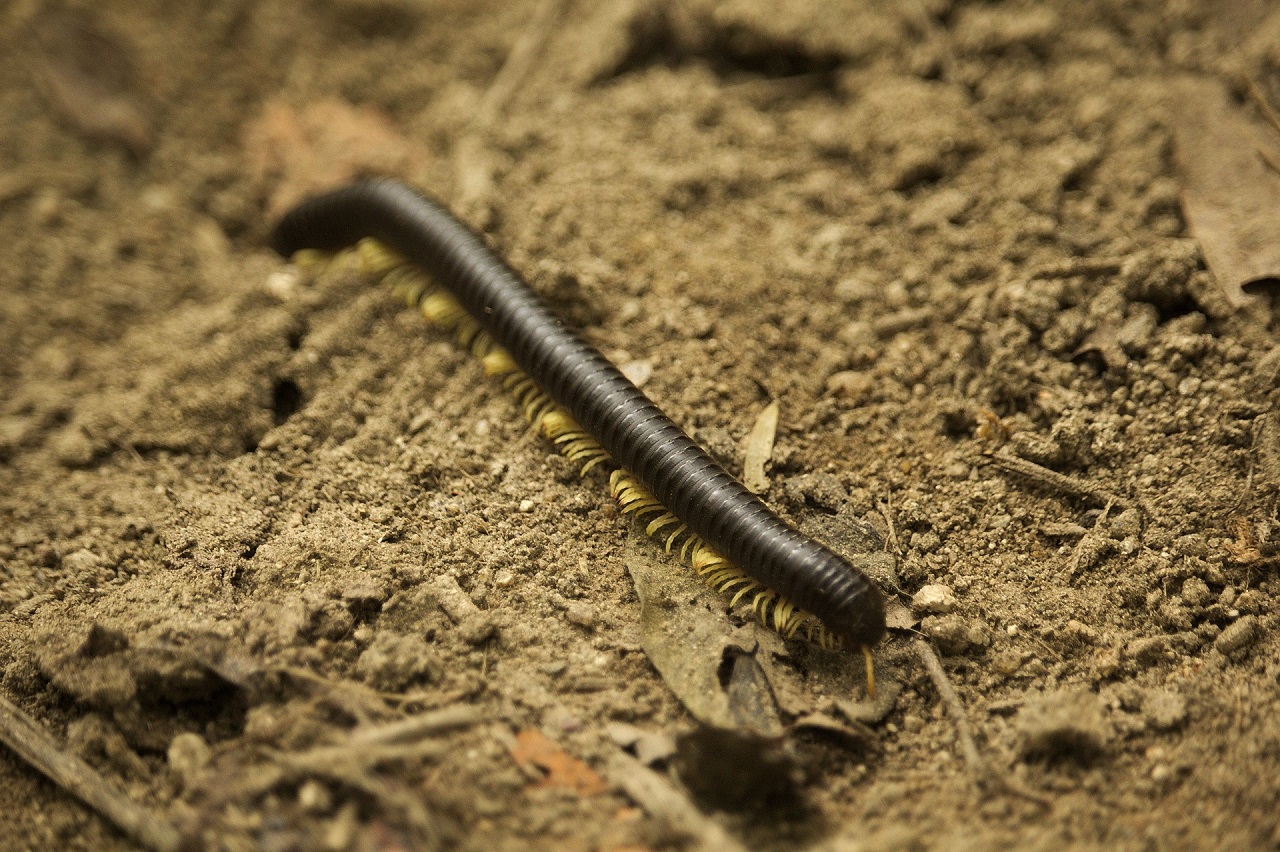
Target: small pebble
<point>283,285</point>
<point>639,372</point>
<point>1191,545</point>
<point>622,734</point>
<point>1164,710</point>
<point>562,720</point>
<point>955,635</point>
<point>314,798</point>
<point>1195,592</point>
<point>340,833</point>
<point>581,613</point>
<point>72,447</point>
<point>80,562</point>
<point>188,754</point>
<point>935,599</point>
<point>1127,523</point>
<point>1250,601</point>
<point>654,748</point>
<point>1008,662</point>
<point>850,384</point>
<point>526,506</point>
<point>1148,650</point>
<point>477,629</point>
<point>650,747</point>
<point>1079,633</point>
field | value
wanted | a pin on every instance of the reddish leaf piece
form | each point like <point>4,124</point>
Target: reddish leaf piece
<point>299,151</point>
<point>533,748</point>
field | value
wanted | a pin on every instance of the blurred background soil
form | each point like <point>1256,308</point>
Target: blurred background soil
<point>244,512</point>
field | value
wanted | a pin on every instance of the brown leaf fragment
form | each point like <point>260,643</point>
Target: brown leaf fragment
<point>683,638</point>
<point>1230,197</point>
<point>856,734</point>
<point>295,152</point>
<point>1247,547</point>
<point>533,748</point>
<point>87,75</point>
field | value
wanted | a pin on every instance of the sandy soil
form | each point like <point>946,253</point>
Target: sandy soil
<point>244,513</point>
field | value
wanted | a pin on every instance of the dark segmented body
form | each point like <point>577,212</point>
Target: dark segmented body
<point>635,433</point>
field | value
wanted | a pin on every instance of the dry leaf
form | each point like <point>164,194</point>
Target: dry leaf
<point>324,144</point>
<point>759,448</point>
<point>533,748</point>
<point>1230,197</point>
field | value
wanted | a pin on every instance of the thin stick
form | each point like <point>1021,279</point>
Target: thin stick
<point>1055,481</point>
<point>1269,157</point>
<point>656,795</point>
<point>33,744</point>
<point>518,63</point>
<point>891,543</point>
<point>955,708</point>
<point>1260,98</point>
<point>417,727</point>
<point>472,162</point>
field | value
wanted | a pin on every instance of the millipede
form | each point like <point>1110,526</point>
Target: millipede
<point>594,415</point>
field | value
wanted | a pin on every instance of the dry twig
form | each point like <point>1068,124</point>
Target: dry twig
<point>416,727</point>
<point>656,795</point>
<point>955,708</point>
<point>33,744</point>
<point>1055,481</point>
<point>1260,99</point>
<point>472,160</point>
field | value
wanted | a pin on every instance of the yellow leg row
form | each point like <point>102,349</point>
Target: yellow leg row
<point>441,309</point>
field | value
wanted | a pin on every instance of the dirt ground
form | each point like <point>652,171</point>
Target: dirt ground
<point>251,518</point>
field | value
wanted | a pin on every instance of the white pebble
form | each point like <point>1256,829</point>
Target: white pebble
<point>934,598</point>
